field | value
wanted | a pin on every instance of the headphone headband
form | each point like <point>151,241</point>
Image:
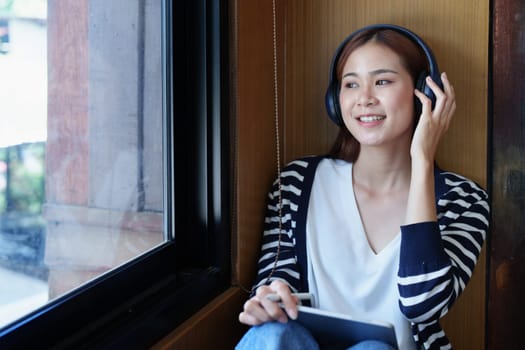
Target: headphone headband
<point>332,93</point>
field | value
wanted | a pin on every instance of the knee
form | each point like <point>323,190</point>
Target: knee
<point>275,335</point>
<point>371,345</point>
<point>282,330</point>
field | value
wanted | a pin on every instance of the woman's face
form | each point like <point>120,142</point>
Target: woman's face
<point>377,96</point>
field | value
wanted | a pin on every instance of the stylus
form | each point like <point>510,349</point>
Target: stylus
<point>301,296</point>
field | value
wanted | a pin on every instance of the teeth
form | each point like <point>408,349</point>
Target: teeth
<point>369,119</point>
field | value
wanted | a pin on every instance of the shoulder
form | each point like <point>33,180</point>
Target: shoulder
<point>297,176</point>
<point>310,164</point>
<point>304,163</point>
<point>454,190</point>
<point>448,183</point>
<point>301,167</point>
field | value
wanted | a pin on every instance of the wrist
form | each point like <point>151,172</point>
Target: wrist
<point>422,165</point>
<point>421,197</point>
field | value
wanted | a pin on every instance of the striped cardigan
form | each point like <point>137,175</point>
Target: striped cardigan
<point>436,259</point>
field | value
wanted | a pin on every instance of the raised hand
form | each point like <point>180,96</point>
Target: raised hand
<point>434,123</point>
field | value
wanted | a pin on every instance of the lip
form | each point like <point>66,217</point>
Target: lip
<point>370,119</point>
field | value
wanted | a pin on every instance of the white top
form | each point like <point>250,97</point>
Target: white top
<point>344,273</point>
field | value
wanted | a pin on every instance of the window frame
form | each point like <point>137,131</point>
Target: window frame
<point>136,304</point>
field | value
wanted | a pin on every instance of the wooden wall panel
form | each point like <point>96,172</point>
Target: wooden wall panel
<point>255,155</point>
<point>214,327</point>
<point>506,315</point>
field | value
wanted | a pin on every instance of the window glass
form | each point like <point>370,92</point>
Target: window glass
<point>81,148</point>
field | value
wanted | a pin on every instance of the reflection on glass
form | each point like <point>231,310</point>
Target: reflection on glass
<point>80,144</point>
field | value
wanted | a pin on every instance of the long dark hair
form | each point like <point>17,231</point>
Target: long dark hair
<point>412,57</point>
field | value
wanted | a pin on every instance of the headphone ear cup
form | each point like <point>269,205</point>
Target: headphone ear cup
<point>332,104</point>
<point>421,85</point>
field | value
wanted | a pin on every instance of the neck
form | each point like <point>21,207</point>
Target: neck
<point>382,170</point>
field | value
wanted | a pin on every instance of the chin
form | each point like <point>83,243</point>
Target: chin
<point>371,143</point>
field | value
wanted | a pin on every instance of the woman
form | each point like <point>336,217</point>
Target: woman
<point>374,229</point>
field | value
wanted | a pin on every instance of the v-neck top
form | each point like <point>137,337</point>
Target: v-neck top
<point>345,274</point>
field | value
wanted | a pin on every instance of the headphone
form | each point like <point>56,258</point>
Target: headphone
<point>332,93</point>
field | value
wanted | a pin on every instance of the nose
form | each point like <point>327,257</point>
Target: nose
<point>366,98</point>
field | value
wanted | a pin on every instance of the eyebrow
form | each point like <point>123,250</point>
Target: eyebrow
<point>372,73</point>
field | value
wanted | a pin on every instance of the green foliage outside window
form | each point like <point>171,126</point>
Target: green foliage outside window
<point>22,178</point>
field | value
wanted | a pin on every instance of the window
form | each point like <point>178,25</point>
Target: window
<point>119,206</point>
<point>23,96</point>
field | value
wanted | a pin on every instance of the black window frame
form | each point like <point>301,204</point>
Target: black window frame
<point>136,304</point>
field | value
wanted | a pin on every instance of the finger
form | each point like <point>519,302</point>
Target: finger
<point>441,97</point>
<point>288,301</point>
<point>271,308</point>
<point>426,103</point>
<point>249,319</point>
<point>436,89</point>
<point>254,313</point>
<point>274,311</point>
<point>449,89</point>
<point>451,100</point>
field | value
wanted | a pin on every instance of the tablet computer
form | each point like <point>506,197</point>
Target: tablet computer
<point>339,330</point>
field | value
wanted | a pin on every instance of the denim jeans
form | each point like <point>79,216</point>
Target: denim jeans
<point>292,336</point>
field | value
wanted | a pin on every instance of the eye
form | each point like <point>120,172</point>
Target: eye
<point>350,85</point>
<point>383,82</point>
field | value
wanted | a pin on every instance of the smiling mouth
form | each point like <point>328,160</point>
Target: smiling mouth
<point>370,118</point>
